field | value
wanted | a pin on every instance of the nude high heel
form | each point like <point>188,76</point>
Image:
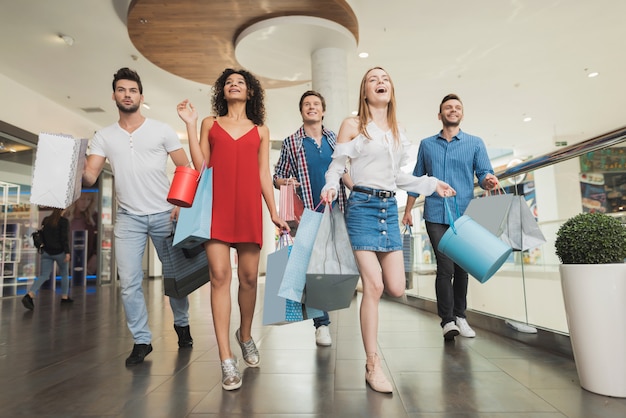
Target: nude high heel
<point>374,375</point>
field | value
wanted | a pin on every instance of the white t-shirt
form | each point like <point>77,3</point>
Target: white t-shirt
<point>139,161</point>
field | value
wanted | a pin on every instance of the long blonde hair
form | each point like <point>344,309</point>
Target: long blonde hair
<point>365,116</point>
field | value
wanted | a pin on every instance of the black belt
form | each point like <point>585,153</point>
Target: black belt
<point>374,192</point>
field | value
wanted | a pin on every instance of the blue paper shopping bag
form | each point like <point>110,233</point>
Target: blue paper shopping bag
<point>294,279</point>
<point>194,223</point>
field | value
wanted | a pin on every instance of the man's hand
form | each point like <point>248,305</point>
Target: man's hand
<point>174,214</point>
<point>490,182</point>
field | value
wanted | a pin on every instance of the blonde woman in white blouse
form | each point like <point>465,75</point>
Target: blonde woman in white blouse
<point>374,146</point>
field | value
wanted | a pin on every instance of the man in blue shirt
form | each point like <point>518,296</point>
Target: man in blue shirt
<point>304,159</point>
<point>457,158</point>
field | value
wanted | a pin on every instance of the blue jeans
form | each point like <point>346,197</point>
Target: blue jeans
<point>321,320</point>
<point>47,262</point>
<point>131,235</point>
<point>451,294</point>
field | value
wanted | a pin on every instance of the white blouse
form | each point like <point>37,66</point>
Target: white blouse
<point>376,163</point>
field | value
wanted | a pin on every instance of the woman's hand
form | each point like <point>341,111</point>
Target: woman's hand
<point>187,112</point>
<point>280,223</point>
<point>328,196</point>
<point>444,189</point>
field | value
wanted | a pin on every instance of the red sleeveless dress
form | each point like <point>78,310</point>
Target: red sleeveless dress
<point>237,216</point>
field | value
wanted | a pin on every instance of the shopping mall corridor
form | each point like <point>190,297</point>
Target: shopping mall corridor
<point>68,361</point>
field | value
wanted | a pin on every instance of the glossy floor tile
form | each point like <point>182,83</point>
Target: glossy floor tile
<point>68,361</point>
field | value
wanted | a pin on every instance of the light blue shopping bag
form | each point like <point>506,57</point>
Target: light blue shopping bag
<point>294,279</point>
<point>194,223</point>
<point>277,310</point>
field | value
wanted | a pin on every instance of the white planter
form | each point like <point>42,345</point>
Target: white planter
<point>595,304</point>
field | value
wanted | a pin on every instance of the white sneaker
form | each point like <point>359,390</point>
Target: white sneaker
<point>322,336</point>
<point>450,330</point>
<point>464,328</point>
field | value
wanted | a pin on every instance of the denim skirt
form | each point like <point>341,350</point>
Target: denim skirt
<point>372,223</point>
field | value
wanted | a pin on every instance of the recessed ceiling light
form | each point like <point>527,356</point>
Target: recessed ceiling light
<point>355,112</point>
<point>363,55</point>
<point>69,41</point>
<point>593,74</point>
<point>527,119</point>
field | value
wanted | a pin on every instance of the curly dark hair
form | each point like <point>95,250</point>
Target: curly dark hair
<point>255,107</point>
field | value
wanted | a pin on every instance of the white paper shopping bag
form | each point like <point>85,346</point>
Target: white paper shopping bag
<point>58,170</point>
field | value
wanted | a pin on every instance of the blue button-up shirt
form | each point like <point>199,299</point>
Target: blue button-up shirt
<point>455,162</point>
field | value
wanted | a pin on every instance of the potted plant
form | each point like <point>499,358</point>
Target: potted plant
<point>592,249</point>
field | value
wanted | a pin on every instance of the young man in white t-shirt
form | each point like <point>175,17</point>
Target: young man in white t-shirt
<point>137,149</point>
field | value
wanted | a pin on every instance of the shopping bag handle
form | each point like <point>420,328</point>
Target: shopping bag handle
<point>498,189</point>
<point>201,171</point>
<point>284,239</point>
<point>407,229</point>
<point>449,212</point>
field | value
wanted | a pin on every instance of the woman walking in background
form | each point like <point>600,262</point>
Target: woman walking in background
<point>55,230</point>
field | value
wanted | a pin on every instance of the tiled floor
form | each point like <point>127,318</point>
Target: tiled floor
<point>68,361</point>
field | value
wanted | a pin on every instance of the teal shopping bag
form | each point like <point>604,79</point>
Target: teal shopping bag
<point>194,223</point>
<point>473,247</point>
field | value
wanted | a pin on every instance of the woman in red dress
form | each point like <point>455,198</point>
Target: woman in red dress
<point>236,144</point>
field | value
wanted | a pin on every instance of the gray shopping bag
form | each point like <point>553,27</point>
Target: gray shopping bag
<point>521,230</point>
<point>183,270</point>
<point>408,255</point>
<point>508,217</point>
<point>332,273</point>
<point>491,212</point>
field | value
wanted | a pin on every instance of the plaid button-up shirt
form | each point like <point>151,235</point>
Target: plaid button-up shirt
<point>292,163</point>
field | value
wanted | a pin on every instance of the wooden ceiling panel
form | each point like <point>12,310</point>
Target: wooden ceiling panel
<point>195,39</point>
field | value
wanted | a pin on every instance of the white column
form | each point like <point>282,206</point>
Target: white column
<point>329,73</point>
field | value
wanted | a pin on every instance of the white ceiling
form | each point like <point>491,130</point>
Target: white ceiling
<point>506,59</point>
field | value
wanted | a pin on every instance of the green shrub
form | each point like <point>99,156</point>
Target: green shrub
<point>591,238</point>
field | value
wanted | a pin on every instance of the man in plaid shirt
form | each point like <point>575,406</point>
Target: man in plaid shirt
<point>304,159</point>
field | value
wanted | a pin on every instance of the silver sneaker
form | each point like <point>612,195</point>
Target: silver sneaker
<point>249,351</point>
<point>231,376</point>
